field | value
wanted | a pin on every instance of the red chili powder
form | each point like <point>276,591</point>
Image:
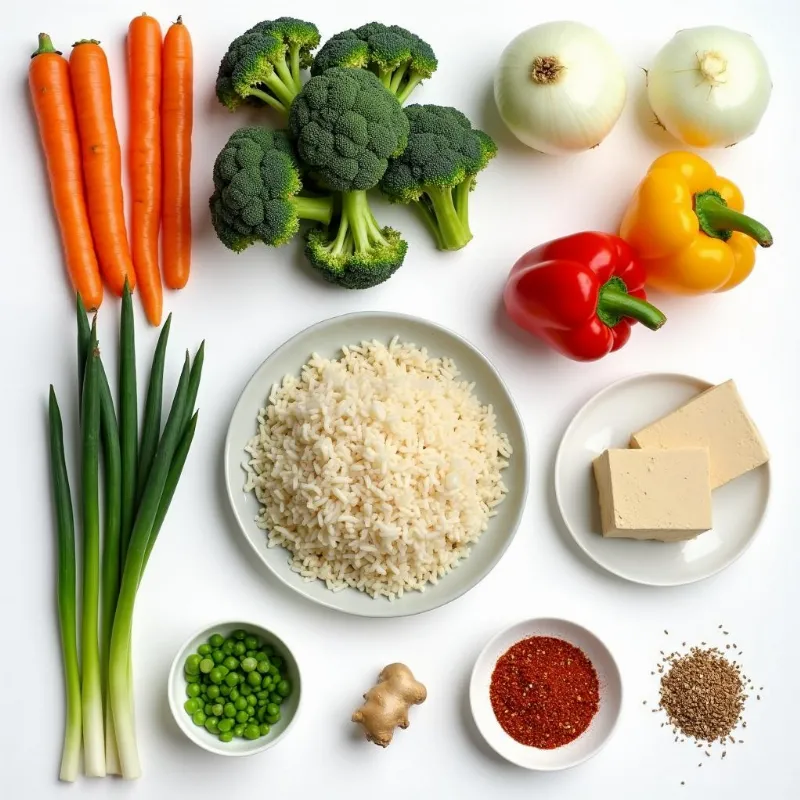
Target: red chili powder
<point>544,692</point>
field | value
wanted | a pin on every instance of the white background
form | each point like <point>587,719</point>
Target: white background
<point>246,306</point>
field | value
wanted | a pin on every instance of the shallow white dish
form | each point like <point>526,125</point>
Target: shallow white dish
<point>176,692</point>
<point>602,726</point>
<point>327,338</point>
<point>608,420</point>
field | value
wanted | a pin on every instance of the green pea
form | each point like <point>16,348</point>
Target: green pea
<point>211,724</point>
<point>212,692</point>
<point>245,689</point>
<point>262,696</point>
<point>267,683</point>
<point>198,718</point>
<point>252,701</point>
<point>277,661</point>
<point>190,706</point>
<point>263,729</point>
<point>238,731</point>
<point>231,663</point>
<point>239,649</point>
<point>225,690</point>
<point>272,709</point>
<point>240,704</point>
<point>216,709</point>
<point>254,679</point>
<point>284,688</point>
<point>250,654</point>
<point>232,679</point>
<point>192,665</point>
<point>218,674</point>
<point>227,648</point>
<point>239,634</point>
<point>204,650</point>
<point>263,666</point>
<point>273,669</point>
<point>226,736</point>
<point>218,656</point>
<point>207,709</point>
<point>275,698</point>
<point>216,640</point>
<point>242,717</point>
<point>269,650</point>
<point>272,720</point>
<point>261,713</point>
<point>206,665</point>
<point>225,725</point>
<point>251,732</point>
<point>249,664</point>
<point>234,693</point>
<point>229,710</point>
<point>193,690</point>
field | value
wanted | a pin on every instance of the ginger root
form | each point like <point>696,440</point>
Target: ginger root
<point>386,704</point>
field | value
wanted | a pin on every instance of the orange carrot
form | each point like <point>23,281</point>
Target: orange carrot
<point>102,162</point>
<point>48,78</point>
<point>176,147</point>
<point>144,158</point>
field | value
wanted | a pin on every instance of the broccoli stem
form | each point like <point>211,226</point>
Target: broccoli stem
<point>294,59</point>
<point>283,92</point>
<point>268,99</point>
<point>453,234</point>
<point>384,74</point>
<point>285,74</point>
<point>318,209</point>
<point>363,227</point>
<point>461,200</point>
<point>426,213</point>
<point>397,77</point>
<point>414,79</point>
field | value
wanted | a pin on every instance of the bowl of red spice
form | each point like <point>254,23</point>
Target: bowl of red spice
<point>546,694</point>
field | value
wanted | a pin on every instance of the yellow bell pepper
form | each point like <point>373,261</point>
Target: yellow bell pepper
<point>686,225</point>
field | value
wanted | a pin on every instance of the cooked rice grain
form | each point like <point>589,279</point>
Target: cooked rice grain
<point>377,470</point>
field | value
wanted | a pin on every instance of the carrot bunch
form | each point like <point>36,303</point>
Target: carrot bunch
<point>73,106</point>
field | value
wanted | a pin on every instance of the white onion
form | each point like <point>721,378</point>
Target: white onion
<point>709,86</point>
<point>560,87</point>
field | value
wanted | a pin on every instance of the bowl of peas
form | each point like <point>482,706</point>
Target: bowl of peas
<point>234,689</point>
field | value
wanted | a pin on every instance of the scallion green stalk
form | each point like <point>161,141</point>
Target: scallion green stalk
<point>128,419</point>
<point>66,592</point>
<point>91,691</point>
<point>119,672</point>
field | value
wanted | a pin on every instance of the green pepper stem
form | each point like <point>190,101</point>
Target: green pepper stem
<point>615,302</point>
<point>717,219</point>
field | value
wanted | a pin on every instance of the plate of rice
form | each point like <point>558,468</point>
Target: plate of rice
<point>377,464</point>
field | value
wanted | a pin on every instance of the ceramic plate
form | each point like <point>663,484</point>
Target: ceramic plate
<point>602,726</point>
<point>326,339</point>
<point>608,420</point>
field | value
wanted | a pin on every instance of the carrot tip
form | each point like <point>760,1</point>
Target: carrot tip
<point>86,41</point>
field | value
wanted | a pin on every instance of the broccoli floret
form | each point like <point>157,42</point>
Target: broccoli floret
<point>437,170</point>
<point>398,57</point>
<point>347,126</point>
<point>256,191</point>
<point>263,65</point>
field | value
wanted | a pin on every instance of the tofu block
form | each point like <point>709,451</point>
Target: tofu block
<point>717,420</point>
<point>654,494</point>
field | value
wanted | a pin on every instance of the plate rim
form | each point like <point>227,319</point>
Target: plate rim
<point>529,622</point>
<point>614,385</point>
<point>524,465</point>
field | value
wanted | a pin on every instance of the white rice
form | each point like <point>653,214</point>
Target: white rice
<point>377,470</point>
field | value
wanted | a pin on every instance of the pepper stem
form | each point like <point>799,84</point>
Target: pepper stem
<point>615,303</point>
<point>719,221</point>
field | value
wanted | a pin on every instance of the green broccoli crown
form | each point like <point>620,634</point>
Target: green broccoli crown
<point>296,33</point>
<point>352,270</point>
<point>398,57</point>
<point>263,66</point>
<point>347,127</point>
<point>256,180</point>
<point>443,151</point>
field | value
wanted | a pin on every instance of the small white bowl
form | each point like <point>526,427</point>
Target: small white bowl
<point>602,726</point>
<point>176,690</point>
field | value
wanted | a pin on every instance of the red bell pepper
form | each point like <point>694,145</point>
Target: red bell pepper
<point>580,294</point>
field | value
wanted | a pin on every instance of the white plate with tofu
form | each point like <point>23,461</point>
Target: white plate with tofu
<point>683,488</point>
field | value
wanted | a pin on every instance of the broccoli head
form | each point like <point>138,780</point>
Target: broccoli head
<point>263,65</point>
<point>437,170</point>
<point>256,191</point>
<point>347,126</point>
<point>398,57</point>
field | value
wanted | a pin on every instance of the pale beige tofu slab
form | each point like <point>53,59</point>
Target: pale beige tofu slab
<point>717,420</point>
<point>654,494</point>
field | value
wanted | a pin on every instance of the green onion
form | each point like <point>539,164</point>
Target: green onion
<point>194,383</point>
<point>92,693</point>
<point>128,420</point>
<point>66,591</point>
<point>119,672</point>
<point>151,429</point>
